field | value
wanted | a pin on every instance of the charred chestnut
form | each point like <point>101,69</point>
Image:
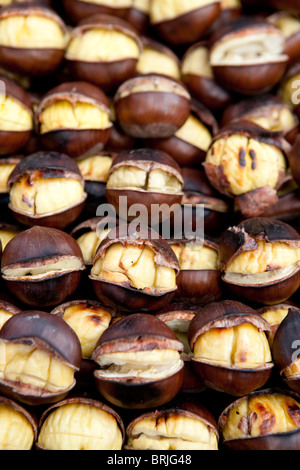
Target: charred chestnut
<point>181,23</point>
<point>41,353</point>
<point>237,166</point>
<point>197,75</point>
<point>151,106</point>
<point>73,118</point>
<point>80,423</point>
<point>180,425</point>
<point>103,50</point>
<point>134,270</point>
<point>145,176</point>
<point>140,363</point>
<point>19,427</point>
<point>263,420</point>
<point>16,117</point>
<point>32,39</point>
<point>230,347</point>
<point>248,56</point>
<point>42,266</point>
<point>260,260</point>
<point>199,278</point>
<point>285,349</point>
<point>88,318</point>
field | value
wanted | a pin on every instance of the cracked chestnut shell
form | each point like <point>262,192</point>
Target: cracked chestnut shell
<point>134,270</point>
<point>73,118</point>
<point>236,166</point>
<point>109,65</point>
<point>42,266</point>
<point>151,106</point>
<point>41,354</point>
<point>33,39</point>
<point>182,24</point>
<point>140,363</point>
<point>46,188</point>
<point>247,56</point>
<point>18,424</point>
<point>101,427</point>
<point>144,176</point>
<point>230,347</point>
<point>16,123</point>
<point>265,419</point>
<point>179,425</point>
<point>259,260</point>
<point>285,349</point>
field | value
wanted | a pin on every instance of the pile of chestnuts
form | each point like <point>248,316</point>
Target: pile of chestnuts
<point>150,225</point>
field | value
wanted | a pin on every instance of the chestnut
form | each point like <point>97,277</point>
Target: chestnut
<point>237,166</point>
<point>230,348</point>
<point>40,354</point>
<point>179,425</point>
<point>7,310</point>
<point>144,176</point>
<point>199,278</point>
<point>285,349</point>
<point>7,232</point>
<point>139,362</point>
<point>90,233</point>
<point>42,266</point>
<point>247,56</point>
<point>158,58</point>
<point>46,188</point>
<point>259,260</point>
<point>265,419</point>
<point>88,318</point>
<point>19,426</point>
<point>189,144</point>
<point>7,165</point>
<point>178,315</point>
<point>134,269</point>
<point>80,423</point>
<point>289,24</point>
<point>16,117</point>
<point>73,118</point>
<point>151,106</point>
<point>103,50</point>
<point>78,10</point>
<point>32,39</point>
<point>274,314</point>
<point>181,23</point>
<point>288,89</point>
<point>197,75</point>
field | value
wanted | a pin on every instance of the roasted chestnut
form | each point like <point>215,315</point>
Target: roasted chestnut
<point>42,266</point>
<point>289,24</point>
<point>32,39</point>
<point>134,269</point>
<point>46,188</point>
<point>199,278</point>
<point>7,310</point>
<point>7,232</point>
<point>73,117</point>
<point>88,318</point>
<point>16,116</point>
<point>230,348</point>
<point>288,89</point>
<point>197,75</point>
<point>265,419</point>
<point>151,106</point>
<point>158,58</point>
<point>189,144</point>
<point>285,349</point>
<point>181,23</point>
<point>7,165</point>
<point>80,423</point>
<point>77,10</point>
<point>103,50</point>
<point>19,426</point>
<point>249,164</point>
<point>41,353</point>
<point>147,177</point>
<point>274,314</point>
<point>259,260</point>
<point>139,362</point>
<point>247,56</point>
<point>179,425</point>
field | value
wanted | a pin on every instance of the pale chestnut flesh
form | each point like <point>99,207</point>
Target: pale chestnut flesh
<point>195,133</point>
<point>95,168</point>
<point>154,61</point>
<point>195,256</point>
<point>16,432</point>
<point>163,11</point>
<point>14,116</point>
<point>89,242</point>
<point>42,269</point>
